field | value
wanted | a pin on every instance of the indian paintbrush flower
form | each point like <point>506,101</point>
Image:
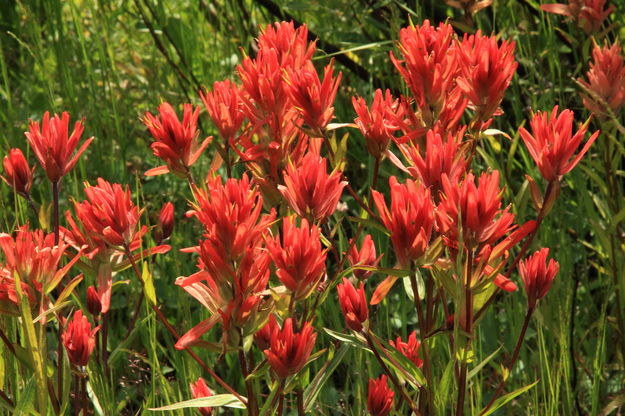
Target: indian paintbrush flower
<point>53,147</point>
<point>79,339</point>
<point>94,306</point>
<point>537,275</point>
<point>409,349</point>
<point>366,256</point>
<point>380,397</point>
<point>605,88</point>
<point>353,304</point>
<point>289,350</point>
<point>199,389</point>
<point>17,174</point>
<point>379,123</point>
<point>552,143</point>
<point>225,107</point>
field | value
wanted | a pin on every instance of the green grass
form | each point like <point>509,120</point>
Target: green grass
<point>110,61</point>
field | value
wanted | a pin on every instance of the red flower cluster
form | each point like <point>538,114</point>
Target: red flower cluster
<point>366,256</point>
<point>225,107</point>
<point>175,141</point>
<point>380,399</point>
<point>353,304</point>
<point>379,123</point>
<point>289,350</point>
<point>79,339</point>
<point>589,14</point>
<point>552,143</point>
<point>409,349</point>
<point>605,88</point>
<point>17,174</point>
<point>52,145</point>
<point>538,275</point>
<point>199,389</point>
<point>310,190</point>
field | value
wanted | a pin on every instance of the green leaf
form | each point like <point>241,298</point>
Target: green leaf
<point>25,404</point>
<point>475,370</point>
<point>442,393</point>
<point>350,339</point>
<point>148,284</point>
<point>218,400</point>
<point>507,397</point>
<point>313,389</point>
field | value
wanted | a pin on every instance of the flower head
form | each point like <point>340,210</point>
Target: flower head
<point>94,305</point>
<point>289,350</point>
<point>299,258</point>
<point>487,69</point>
<point>409,349</point>
<point>52,145</point>
<point>109,213</point>
<point>313,98</point>
<point>379,123</point>
<point>552,143</point>
<point>17,174</point>
<point>353,303</point>
<point>589,14</point>
<point>165,224</point>
<point>409,220</point>
<point>380,397</point>
<point>606,81</point>
<point>537,275</point>
<point>310,190</point>
<point>225,107</point>
<point>175,141</point>
<point>199,389</point>
<point>79,339</point>
<point>366,256</point>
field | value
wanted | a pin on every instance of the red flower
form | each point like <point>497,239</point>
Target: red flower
<point>53,147</point>
<point>94,306</point>
<point>589,14</point>
<point>289,350</point>
<point>175,141</point>
<point>291,45</point>
<point>310,190</point>
<point>379,123</point>
<point>553,144</point>
<point>353,304</point>
<point>262,337</point>
<point>225,107</point>
<point>440,157</point>
<point>478,208</point>
<point>34,257</point>
<point>537,275</point>
<point>313,99</point>
<point>199,389</point>
<point>410,219</point>
<point>410,349</point>
<point>18,175</point>
<point>165,224</point>
<point>365,257</point>
<point>380,397</point>
<point>606,81</point>
<point>79,339</point>
<point>487,70</point>
<point>109,213</point>
<point>299,259</point>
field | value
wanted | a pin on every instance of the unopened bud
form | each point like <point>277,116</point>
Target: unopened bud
<point>94,306</point>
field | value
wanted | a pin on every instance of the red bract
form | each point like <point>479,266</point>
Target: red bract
<point>313,99</point>
<point>79,339</point>
<point>289,350</point>
<point>379,123</point>
<point>310,190</point>
<point>165,224</point>
<point>232,220</point>
<point>410,219</point>
<point>365,257</point>
<point>353,304</point>
<point>478,208</point>
<point>537,275</point>
<point>175,141</point>
<point>380,397</point>
<point>17,174</point>
<point>34,257</point>
<point>94,306</point>
<point>291,45</point>
<point>440,157</point>
<point>109,213</point>
<point>52,145</point>
<point>225,107</point>
<point>199,389</point>
<point>487,69</point>
<point>299,259</point>
<point>589,14</point>
<point>409,349</point>
<point>552,143</point>
<point>605,89</point>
